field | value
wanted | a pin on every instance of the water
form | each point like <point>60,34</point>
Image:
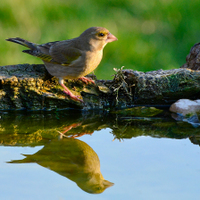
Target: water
<point>148,158</point>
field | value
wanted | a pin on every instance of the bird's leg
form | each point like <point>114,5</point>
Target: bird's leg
<point>86,80</point>
<point>68,92</point>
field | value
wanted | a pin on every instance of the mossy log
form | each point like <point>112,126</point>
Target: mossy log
<point>30,87</point>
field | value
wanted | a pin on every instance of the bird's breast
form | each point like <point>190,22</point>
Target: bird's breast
<point>92,61</point>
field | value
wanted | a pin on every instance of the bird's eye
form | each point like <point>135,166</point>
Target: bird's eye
<point>101,34</point>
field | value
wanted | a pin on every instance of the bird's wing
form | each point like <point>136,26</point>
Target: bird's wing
<point>64,54</point>
<point>41,55</point>
<point>41,51</point>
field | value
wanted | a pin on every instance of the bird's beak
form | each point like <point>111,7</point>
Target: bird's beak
<point>111,38</point>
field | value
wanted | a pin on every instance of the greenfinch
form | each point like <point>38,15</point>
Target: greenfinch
<point>71,59</point>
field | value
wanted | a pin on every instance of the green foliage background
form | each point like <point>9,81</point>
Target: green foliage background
<point>152,34</point>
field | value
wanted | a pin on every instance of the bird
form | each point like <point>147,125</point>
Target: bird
<point>73,58</point>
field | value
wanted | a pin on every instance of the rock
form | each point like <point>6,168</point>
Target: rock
<point>187,111</point>
<point>186,107</point>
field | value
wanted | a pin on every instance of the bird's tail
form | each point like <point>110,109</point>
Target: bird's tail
<point>33,50</point>
<point>23,42</point>
<point>28,159</point>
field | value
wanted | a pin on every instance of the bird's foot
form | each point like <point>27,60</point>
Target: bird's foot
<point>69,93</point>
<point>72,96</point>
<point>86,80</point>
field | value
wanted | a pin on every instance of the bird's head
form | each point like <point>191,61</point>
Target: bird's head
<point>98,37</point>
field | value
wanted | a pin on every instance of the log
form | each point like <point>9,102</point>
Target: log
<point>30,87</point>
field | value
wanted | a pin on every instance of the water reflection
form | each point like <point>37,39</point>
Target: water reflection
<point>73,159</point>
<point>35,129</point>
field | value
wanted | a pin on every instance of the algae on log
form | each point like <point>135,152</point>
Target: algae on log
<point>30,87</point>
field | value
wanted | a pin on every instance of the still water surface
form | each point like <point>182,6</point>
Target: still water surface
<point>151,159</point>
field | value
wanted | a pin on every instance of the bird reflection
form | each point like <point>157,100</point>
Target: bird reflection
<point>73,159</point>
